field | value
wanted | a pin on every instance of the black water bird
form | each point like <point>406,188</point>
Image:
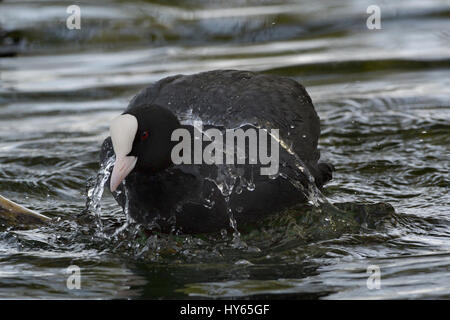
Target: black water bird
<point>199,198</point>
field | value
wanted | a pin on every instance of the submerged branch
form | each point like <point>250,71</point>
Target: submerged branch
<point>13,215</point>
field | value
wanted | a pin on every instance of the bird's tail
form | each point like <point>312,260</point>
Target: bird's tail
<point>325,173</point>
<point>326,169</point>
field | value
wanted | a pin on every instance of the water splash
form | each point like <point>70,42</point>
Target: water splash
<point>228,180</point>
<point>94,207</point>
<point>233,179</point>
<point>129,220</point>
<point>95,192</point>
<point>227,183</point>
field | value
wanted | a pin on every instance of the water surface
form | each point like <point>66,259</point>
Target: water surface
<point>383,97</point>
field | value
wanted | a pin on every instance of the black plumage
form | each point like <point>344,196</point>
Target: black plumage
<point>190,196</point>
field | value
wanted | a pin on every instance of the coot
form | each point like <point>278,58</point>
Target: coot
<point>198,196</point>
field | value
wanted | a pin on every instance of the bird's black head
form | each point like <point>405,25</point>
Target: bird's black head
<point>141,139</point>
<point>152,144</point>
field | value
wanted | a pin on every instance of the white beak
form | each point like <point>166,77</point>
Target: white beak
<point>122,167</point>
<point>123,131</point>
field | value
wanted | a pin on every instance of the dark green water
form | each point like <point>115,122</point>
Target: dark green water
<point>383,97</point>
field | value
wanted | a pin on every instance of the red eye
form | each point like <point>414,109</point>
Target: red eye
<point>144,136</point>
